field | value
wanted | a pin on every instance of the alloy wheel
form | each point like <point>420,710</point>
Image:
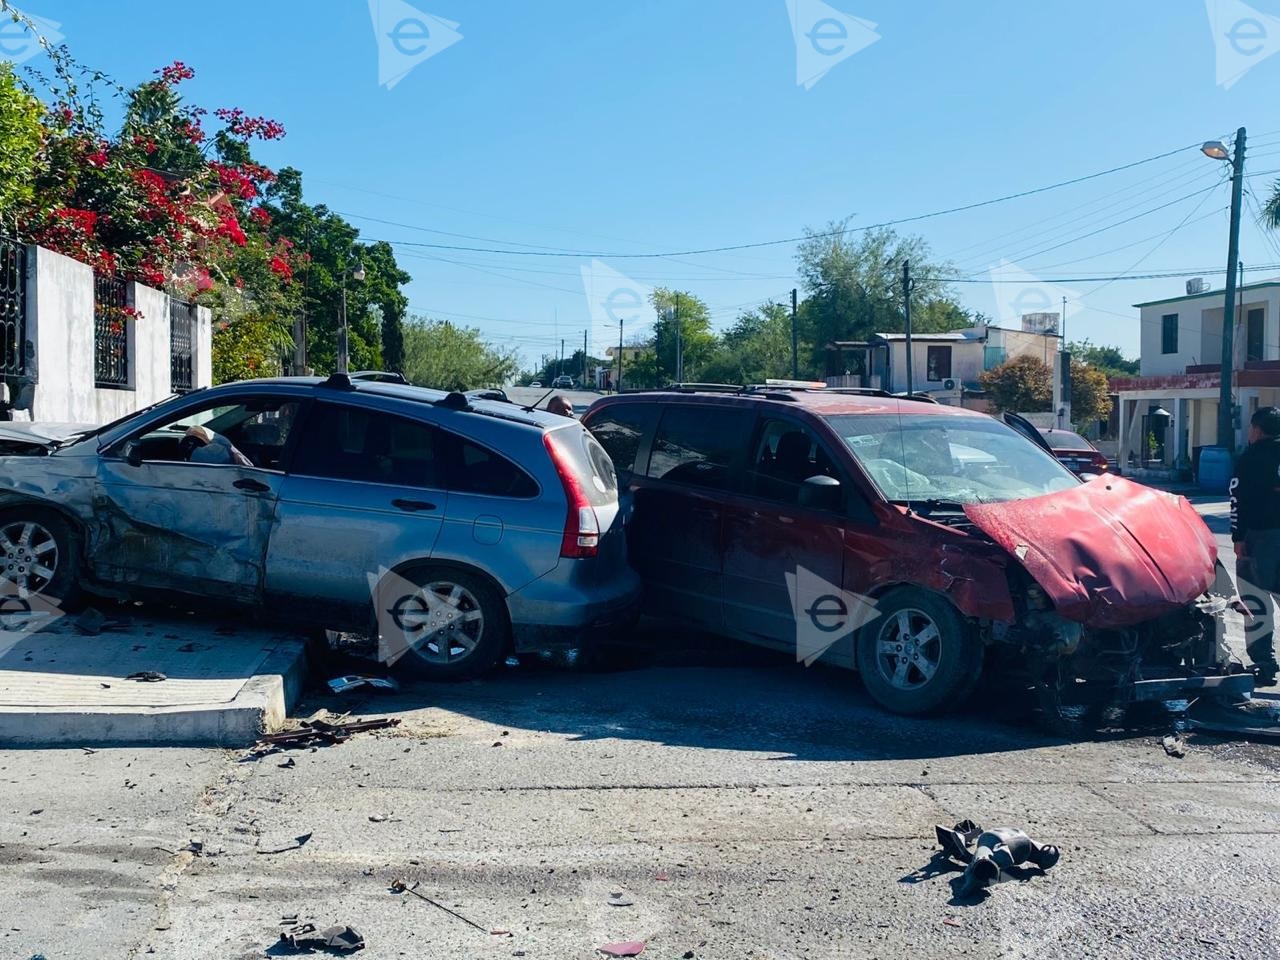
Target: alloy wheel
<point>908,649</point>
<point>28,556</point>
<point>445,623</point>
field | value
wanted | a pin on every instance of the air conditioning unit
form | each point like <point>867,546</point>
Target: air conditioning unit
<point>1196,285</point>
<point>948,384</point>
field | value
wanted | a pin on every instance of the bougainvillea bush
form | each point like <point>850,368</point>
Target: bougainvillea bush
<point>169,200</point>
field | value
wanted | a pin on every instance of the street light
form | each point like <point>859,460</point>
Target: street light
<point>1217,150</point>
<point>344,333</point>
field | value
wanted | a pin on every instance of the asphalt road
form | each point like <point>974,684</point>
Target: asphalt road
<point>748,806</point>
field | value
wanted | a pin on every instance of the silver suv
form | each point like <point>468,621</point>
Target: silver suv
<point>305,498</point>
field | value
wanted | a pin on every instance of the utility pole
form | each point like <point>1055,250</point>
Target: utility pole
<point>679,344</point>
<point>795,358</point>
<point>1226,419</point>
<point>618,385</point>
<point>584,359</point>
<point>1064,361</point>
<point>906,303</point>
<point>560,362</point>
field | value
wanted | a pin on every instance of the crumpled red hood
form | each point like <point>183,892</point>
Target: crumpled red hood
<point>1109,553</point>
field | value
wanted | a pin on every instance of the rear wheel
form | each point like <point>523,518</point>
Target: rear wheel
<point>918,656</point>
<point>38,555</point>
<point>454,626</point>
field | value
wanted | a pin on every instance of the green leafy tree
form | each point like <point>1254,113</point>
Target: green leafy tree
<point>682,311</point>
<point>1090,394</point>
<point>1023,384</point>
<point>644,371</point>
<point>447,357</point>
<point>248,346</point>
<point>756,348</point>
<point>21,135</point>
<point>1110,360</point>
<point>1271,212</point>
<point>853,284</point>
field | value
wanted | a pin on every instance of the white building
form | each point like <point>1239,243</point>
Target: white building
<point>78,348</point>
<point>946,365</point>
<point>1170,410</point>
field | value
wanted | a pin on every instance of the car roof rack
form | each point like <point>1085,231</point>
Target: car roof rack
<point>861,391</point>
<point>454,401</point>
<point>380,376</point>
<point>705,387</point>
<point>339,381</point>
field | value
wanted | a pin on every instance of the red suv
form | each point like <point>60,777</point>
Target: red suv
<point>953,533</point>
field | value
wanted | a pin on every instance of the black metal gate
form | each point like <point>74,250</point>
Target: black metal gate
<point>110,331</point>
<point>13,308</point>
<point>182,334</point>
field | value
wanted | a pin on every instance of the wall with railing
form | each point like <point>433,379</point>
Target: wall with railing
<point>91,348</point>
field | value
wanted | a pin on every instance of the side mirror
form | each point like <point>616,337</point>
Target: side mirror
<point>821,493</point>
<point>133,454</point>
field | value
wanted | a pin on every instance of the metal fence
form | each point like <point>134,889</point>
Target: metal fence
<point>13,307</point>
<point>182,334</point>
<point>111,314</point>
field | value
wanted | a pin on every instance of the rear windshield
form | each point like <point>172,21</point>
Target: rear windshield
<point>1066,440</point>
<point>589,462</point>
<point>950,459</point>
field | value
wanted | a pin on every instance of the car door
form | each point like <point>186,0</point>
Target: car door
<point>196,527</point>
<point>773,538</point>
<point>364,493</point>
<point>1028,430</point>
<point>676,533</point>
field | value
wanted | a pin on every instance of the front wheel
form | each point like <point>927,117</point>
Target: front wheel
<point>918,655</point>
<point>38,555</point>
<point>453,625</point>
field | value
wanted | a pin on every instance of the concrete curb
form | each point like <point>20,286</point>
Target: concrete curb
<point>260,707</point>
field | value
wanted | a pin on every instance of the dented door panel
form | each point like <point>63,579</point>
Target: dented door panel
<point>184,527</point>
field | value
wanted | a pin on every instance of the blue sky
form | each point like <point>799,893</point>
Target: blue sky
<point>679,124</point>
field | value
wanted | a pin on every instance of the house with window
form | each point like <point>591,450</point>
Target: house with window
<point>1170,410</point>
<point>946,365</point>
<point>81,347</point>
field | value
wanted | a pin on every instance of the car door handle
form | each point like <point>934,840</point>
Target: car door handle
<point>252,486</point>
<point>412,506</point>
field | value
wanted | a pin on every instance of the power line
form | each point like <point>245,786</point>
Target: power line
<point>770,243</point>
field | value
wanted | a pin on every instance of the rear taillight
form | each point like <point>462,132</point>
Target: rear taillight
<point>581,526</point>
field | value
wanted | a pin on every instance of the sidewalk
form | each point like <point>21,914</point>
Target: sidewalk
<point>222,686</point>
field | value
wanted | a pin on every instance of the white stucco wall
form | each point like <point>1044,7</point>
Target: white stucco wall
<point>1200,330</point>
<point>60,329</point>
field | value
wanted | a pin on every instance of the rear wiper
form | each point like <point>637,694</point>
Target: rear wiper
<point>933,503</point>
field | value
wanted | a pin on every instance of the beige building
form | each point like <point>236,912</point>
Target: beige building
<point>1170,411</point>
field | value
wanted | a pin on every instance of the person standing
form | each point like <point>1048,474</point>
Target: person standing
<point>1255,531</point>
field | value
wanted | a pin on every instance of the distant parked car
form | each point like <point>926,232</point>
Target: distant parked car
<point>536,383</point>
<point>562,383</point>
<point>296,496</point>
<point>1075,452</point>
<point>919,541</point>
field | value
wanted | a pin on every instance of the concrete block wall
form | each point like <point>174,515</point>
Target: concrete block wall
<point>60,333</point>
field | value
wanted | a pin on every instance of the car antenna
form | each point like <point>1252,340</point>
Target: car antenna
<point>533,406</point>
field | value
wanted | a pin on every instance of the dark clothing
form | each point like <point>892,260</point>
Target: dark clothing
<point>1255,489</point>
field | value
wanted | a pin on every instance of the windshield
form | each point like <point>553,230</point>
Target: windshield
<point>950,459</point>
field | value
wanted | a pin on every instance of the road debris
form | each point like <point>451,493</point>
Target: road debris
<point>627,948</point>
<point>399,886</point>
<point>355,681</point>
<point>93,621</point>
<point>997,851</point>
<point>147,676</point>
<point>1174,746</point>
<point>619,899</point>
<point>335,939</point>
<point>316,733</point>
<point>295,844</point>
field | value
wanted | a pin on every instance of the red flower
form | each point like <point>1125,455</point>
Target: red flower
<point>175,73</point>
<point>229,227</point>
<point>281,268</point>
<point>260,216</point>
<point>97,159</point>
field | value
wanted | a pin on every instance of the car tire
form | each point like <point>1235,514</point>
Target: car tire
<point>34,540</point>
<point>918,656</point>
<point>455,628</point>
